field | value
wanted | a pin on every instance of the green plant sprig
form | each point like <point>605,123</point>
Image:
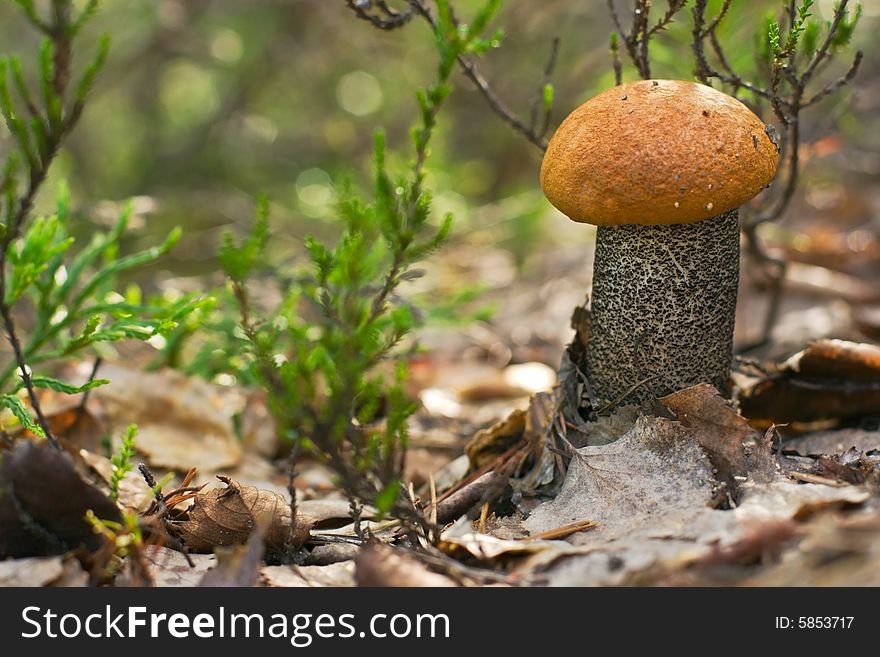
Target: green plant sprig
<point>121,461</point>
<point>320,352</point>
<point>69,292</point>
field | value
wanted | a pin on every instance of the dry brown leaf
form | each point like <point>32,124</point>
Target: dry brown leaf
<point>228,515</point>
<point>181,421</point>
<point>43,503</point>
<point>497,439</point>
<point>734,448</point>
<point>382,565</point>
<point>170,568</point>
<point>829,379</point>
<point>834,442</point>
<point>78,428</point>
<point>239,565</point>
<point>335,575</point>
<point>838,360</point>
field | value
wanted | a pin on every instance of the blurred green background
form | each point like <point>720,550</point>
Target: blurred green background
<point>205,104</point>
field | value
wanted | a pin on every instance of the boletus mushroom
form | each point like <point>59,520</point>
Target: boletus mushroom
<point>661,167</point>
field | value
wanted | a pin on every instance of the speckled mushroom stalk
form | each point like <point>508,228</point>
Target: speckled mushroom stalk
<point>661,167</point>
<point>662,308</point>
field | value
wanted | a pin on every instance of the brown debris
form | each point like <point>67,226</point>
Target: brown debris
<point>43,503</point>
<point>828,379</point>
<point>228,516</point>
<point>181,420</point>
<point>733,447</point>
<point>489,443</point>
<point>325,555</point>
<point>239,565</point>
<point>464,499</point>
<point>382,565</point>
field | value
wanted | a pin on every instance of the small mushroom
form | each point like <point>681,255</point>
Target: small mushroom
<point>663,184</point>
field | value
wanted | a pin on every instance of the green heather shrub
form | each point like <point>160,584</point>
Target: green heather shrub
<point>58,299</point>
<point>329,353</point>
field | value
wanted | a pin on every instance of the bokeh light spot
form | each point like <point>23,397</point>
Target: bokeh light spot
<point>359,93</point>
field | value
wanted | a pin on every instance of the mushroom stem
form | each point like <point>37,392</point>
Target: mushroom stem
<point>663,307</point>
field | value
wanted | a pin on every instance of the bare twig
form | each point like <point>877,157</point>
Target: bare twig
<point>637,38</point>
<point>81,407</point>
<point>539,103</point>
<point>533,131</point>
<point>292,459</point>
<point>8,322</point>
<point>379,14</point>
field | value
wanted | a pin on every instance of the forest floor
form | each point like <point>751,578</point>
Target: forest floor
<point>779,489</point>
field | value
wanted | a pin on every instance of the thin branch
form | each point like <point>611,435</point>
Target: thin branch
<point>833,86</point>
<point>672,9</point>
<point>636,40</point>
<point>496,104</point>
<point>382,16</point>
<point>538,103</point>
<point>25,374</point>
<point>822,52</point>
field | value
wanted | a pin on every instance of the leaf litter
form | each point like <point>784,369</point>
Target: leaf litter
<point>667,493</point>
<point>654,495</point>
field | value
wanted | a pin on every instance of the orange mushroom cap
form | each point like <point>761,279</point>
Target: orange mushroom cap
<point>657,152</point>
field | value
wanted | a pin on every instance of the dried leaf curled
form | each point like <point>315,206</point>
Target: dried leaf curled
<point>228,516</point>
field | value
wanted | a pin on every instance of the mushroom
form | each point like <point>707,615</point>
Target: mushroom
<point>661,167</point>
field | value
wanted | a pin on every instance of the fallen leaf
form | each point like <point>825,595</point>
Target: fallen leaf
<point>834,442</point>
<point>335,575</point>
<point>258,429</point>
<point>836,551</point>
<point>733,447</point>
<point>78,428</point>
<point>43,503</point>
<point>654,469</point>
<point>784,498</point>
<point>42,571</point>
<point>829,379</point>
<point>489,443</point>
<point>170,568</point>
<point>238,565</point>
<point>840,360</point>
<point>228,515</point>
<point>382,565</point>
<point>757,541</point>
<point>181,420</point>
